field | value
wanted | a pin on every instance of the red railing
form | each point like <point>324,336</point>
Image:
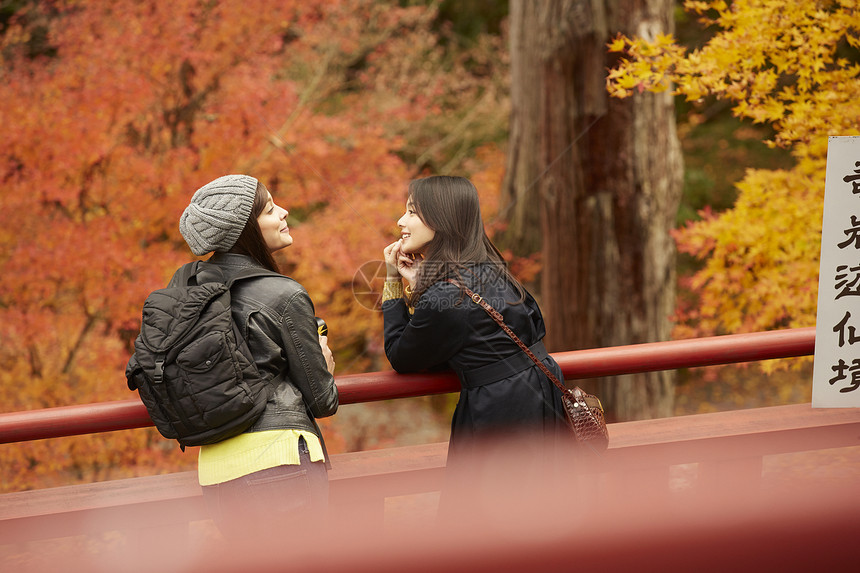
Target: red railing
<point>354,388</point>
<point>617,512</point>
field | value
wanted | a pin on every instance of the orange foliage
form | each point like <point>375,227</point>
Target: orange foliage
<point>138,105</point>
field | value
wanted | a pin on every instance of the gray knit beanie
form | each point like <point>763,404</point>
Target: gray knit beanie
<point>217,214</point>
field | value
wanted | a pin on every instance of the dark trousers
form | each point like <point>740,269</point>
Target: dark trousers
<point>263,504</point>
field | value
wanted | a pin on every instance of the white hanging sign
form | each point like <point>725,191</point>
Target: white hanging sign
<point>836,374</point>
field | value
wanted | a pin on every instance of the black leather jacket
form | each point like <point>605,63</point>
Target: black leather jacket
<point>277,319</point>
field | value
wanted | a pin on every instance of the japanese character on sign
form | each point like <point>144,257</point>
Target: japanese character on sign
<point>840,369</point>
<point>849,284</point>
<point>854,179</point>
<point>853,234</point>
<point>840,330</point>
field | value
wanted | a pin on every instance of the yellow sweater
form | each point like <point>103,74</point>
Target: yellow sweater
<point>252,452</point>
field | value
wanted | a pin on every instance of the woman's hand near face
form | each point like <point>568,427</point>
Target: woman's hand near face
<point>408,267</point>
<point>391,254</point>
<point>399,264</point>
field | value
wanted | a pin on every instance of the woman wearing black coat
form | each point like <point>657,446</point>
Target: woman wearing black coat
<point>431,324</point>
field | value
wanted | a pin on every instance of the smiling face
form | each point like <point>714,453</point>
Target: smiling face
<point>413,231</point>
<point>273,226</point>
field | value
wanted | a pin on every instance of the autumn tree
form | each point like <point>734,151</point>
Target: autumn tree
<point>594,183</point>
<point>124,110</point>
<point>789,65</point>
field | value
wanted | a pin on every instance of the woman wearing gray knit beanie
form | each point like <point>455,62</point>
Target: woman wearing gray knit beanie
<point>275,474</point>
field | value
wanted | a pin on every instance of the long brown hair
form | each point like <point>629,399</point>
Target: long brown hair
<point>251,240</point>
<point>449,206</point>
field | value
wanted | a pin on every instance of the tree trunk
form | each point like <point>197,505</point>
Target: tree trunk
<point>596,182</point>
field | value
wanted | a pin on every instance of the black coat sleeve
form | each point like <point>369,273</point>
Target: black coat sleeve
<point>430,336</point>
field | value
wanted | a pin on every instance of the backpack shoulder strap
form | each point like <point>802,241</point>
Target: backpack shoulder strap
<point>186,274</point>
<point>250,273</point>
<point>199,272</point>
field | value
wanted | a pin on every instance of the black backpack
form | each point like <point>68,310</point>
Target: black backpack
<point>191,364</point>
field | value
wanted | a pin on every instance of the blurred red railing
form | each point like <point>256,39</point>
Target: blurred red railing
<point>699,492</point>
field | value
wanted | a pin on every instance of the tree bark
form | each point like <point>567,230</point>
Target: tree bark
<point>594,183</point>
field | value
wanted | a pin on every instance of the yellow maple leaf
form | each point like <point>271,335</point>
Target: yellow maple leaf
<point>618,44</point>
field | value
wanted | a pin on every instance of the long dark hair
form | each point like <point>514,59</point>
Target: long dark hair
<point>251,240</point>
<point>449,206</point>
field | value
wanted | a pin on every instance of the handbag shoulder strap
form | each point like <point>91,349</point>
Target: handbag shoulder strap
<point>496,315</point>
